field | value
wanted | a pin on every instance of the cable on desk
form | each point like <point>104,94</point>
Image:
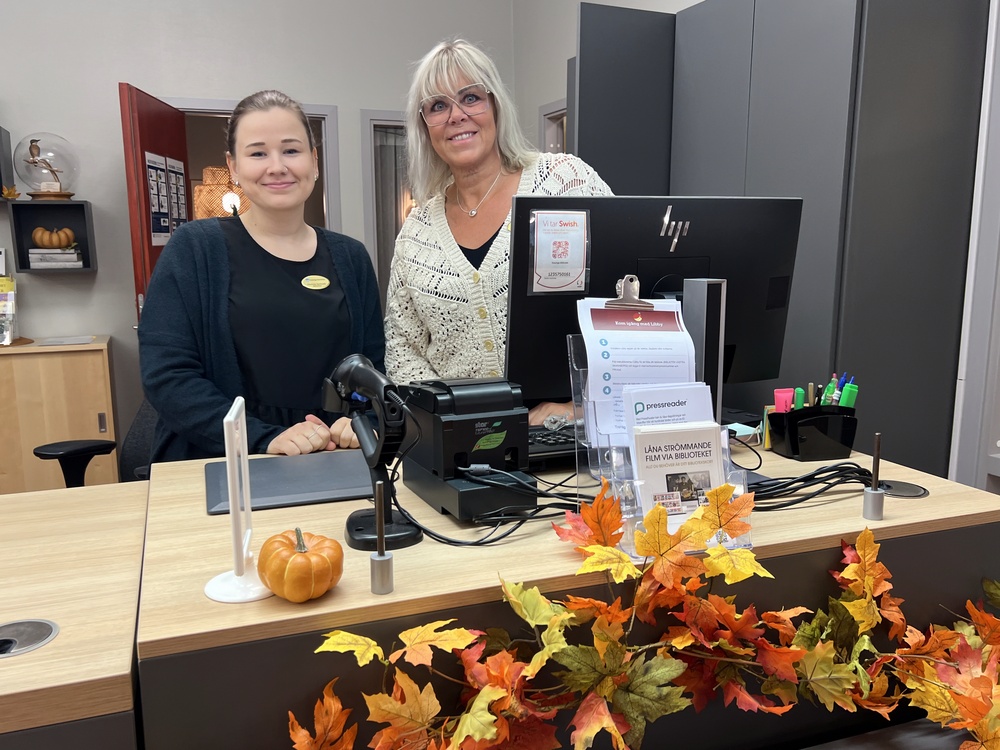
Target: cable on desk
<point>768,492</point>
<point>760,458</point>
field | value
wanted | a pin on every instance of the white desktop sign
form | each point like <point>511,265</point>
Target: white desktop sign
<point>241,584</point>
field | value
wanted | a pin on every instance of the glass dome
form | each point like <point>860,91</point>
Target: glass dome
<point>47,164</point>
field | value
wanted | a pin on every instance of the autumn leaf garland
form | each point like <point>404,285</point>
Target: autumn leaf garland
<point>708,649</point>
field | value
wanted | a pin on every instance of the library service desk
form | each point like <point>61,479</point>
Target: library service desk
<point>74,557</point>
<point>225,675</point>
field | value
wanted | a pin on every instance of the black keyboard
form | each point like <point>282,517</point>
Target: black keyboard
<point>545,442</point>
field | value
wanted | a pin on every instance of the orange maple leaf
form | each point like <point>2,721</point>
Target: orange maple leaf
<point>419,641</point>
<point>604,517</point>
<point>329,718</point>
<point>867,577</point>
<point>652,595</point>
<point>987,626</point>
<point>592,717</point>
<point>986,737</point>
<point>877,700</point>
<point>778,661</point>
<point>782,622</point>
<point>670,563</point>
<point>889,609</point>
<point>734,626</point>
<point>725,513</point>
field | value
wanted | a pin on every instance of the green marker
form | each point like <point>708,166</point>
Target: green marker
<point>849,395</point>
<point>827,397</point>
<point>800,398</point>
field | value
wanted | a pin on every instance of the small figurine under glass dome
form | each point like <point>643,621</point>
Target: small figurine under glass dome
<point>48,164</point>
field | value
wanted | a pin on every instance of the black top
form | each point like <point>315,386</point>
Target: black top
<point>288,336</point>
<point>476,255</point>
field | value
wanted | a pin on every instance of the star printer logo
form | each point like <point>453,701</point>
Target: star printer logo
<point>673,229</point>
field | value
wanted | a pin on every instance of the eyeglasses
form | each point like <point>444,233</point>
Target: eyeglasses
<point>473,99</point>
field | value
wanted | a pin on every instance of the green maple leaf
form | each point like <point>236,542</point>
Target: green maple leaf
<point>586,666</point>
<point>991,587</point>
<point>828,681</point>
<point>842,628</point>
<point>784,690</point>
<point>529,604</point>
<point>809,633</point>
<point>647,695</point>
<point>477,722</point>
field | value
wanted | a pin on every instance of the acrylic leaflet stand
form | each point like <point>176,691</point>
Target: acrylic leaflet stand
<point>241,584</point>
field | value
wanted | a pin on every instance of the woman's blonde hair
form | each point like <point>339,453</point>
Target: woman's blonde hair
<point>440,72</point>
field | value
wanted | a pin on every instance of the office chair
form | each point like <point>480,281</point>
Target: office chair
<point>133,461</point>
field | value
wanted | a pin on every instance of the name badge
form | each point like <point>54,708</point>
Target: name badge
<point>315,282</point>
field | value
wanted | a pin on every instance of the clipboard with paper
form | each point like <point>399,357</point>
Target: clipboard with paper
<point>629,341</point>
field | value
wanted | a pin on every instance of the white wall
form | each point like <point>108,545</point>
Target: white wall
<point>352,54</point>
<point>356,55</point>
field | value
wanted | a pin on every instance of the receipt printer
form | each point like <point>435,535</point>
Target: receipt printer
<point>465,422</point>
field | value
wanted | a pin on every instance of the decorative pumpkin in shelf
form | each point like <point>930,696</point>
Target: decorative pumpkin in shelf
<point>299,566</point>
<point>53,239</point>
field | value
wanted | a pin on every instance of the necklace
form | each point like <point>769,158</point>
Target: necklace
<point>474,211</point>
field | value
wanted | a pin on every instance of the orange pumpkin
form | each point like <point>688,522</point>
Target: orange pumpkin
<point>299,566</point>
<point>54,239</point>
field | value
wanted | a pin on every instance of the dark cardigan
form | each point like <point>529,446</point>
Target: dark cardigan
<point>187,357</point>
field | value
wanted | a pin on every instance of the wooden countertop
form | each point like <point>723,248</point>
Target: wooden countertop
<point>38,345</point>
<point>72,556</point>
<point>185,548</point>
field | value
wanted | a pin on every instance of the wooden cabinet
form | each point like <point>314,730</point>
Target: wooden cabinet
<point>48,394</point>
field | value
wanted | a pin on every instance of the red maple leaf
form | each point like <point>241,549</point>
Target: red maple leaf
<point>734,691</point>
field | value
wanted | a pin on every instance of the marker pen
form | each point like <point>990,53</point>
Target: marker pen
<point>799,399</point>
<point>839,389</point>
<point>849,396</point>
<point>827,398</point>
<point>811,394</point>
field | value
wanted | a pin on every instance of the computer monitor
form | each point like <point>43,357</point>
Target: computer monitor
<point>750,242</point>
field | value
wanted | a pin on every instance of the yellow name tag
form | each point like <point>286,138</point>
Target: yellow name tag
<point>315,282</point>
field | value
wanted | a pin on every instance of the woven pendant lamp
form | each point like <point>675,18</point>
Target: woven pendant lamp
<point>208,197</point>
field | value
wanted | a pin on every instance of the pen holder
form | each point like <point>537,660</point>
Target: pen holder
<point>813,433</point>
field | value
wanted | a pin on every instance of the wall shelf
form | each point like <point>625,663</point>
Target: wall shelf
<point>26,216</point>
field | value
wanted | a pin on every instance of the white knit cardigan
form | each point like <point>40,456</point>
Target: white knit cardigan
<point>444,318</point>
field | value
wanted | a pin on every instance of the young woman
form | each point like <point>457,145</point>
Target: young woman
<point>261,305</point>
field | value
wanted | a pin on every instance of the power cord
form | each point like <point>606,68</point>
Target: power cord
<point>768,493</point>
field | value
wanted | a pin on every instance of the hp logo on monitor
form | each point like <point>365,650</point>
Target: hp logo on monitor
<point>673,229</point>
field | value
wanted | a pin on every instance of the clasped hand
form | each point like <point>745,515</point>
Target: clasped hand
<point>313,435</point>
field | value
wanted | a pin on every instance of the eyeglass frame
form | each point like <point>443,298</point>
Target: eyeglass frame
<point>454,103</point>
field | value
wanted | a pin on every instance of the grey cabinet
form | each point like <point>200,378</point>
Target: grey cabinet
<point>620,97</point>
<point>869,111</point>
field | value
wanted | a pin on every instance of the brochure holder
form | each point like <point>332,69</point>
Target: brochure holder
<point>813,433</point>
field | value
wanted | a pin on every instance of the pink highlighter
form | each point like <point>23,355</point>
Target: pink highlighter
<point>783,399</point>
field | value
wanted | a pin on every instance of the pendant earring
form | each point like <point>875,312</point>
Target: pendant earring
<point>236,182</point>
<point>316,177</point>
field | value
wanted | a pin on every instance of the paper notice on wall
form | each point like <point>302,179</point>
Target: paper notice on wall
<point>631,347</point>
<point>159,210</point>
<point>176,193</point>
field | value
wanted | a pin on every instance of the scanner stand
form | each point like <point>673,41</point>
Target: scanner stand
<point>361,531</point>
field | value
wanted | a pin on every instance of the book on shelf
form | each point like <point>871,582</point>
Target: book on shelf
<point>37,265</point>
<point>46,256</point>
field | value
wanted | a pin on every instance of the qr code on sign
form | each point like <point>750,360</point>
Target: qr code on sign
<point>560,249</point>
